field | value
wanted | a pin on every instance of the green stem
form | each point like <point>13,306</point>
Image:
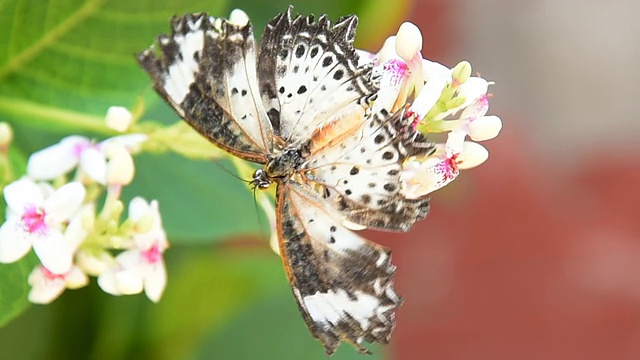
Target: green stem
<point>54,116</point>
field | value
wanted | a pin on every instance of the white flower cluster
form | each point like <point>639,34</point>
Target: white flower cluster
<point>442,100</point>
<point>58,218</point>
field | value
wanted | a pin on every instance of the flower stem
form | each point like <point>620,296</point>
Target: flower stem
<point>54,117</point>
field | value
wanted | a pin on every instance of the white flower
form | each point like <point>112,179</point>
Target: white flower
<point>35,220</point>
<point>47,286</point>
<point>141,267</point>
<point>56,160</point>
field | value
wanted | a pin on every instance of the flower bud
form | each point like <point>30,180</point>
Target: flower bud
<point>461,73</point>
<point>484,128</point>
<point>6,135</point>
<point>238,17</point>
<point>120,169</point>
<point>118,118</point>
<point>408,41</point>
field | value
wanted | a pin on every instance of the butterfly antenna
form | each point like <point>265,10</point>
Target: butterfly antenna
<point>231,173</point>
<point>255,204</point>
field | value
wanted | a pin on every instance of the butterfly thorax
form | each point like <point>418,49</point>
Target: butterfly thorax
<point>280,167</point>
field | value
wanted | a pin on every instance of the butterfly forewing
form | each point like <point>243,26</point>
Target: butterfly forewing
<point>207,72</point>
<point>308,72</point>
<point>342,282</point>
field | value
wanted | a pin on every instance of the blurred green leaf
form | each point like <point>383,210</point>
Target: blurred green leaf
<point>77,56</point>
<point>206,289</point>
<point>200,202</point>
<point>14,288</point>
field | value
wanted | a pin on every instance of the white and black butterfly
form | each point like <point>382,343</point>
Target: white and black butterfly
<point>300,104</point>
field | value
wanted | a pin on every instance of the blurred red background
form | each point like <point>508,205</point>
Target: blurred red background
<point>536,253</point>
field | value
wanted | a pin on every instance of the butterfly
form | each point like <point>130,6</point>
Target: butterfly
<point>300,104</point>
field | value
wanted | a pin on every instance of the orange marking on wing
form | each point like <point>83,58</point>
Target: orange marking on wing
<point>336,130</point>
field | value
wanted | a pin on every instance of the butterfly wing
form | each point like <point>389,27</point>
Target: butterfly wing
<point>356,166</point>
<point>342,283</point>
<point>308,71</point>
<point>206,70</point>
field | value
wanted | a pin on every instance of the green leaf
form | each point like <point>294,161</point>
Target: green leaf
<point>77,56</point>
<point>14,288</point>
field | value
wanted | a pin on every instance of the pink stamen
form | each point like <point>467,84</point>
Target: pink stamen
<point>33,219</point>
<point>449,167</point>
<point>397,68</point>
<point>153,255</point>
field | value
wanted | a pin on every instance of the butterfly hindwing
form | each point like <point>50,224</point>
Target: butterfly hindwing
<point>360,171</point>
<point>343,283</point>
<point>206,71</point>
<point>308,72</point>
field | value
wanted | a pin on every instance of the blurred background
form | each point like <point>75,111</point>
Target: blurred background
<point>533,255</point>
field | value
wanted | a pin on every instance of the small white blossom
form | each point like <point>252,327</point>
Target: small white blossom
<point>47,286</point>
<point>34,219</point>
<point>141,267</point>
<point>56,160</point>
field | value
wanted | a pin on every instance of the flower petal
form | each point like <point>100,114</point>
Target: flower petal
<point>62,204</point>
<point>54,251</point>
<point>422,178</point>
<point>472,155</point>
<point>476,109</point>
<point>94,163</point>
<point>428,96</point>
<point>75,278</point>
<point>75,231</point>
<point>129,282</point>
<point>155,281</point>
<point>22,193</point>
<point>432,70</point>
<point>44,288</point>
<point>15,242</point>
<point>56,160</point>
<point>138,207</point>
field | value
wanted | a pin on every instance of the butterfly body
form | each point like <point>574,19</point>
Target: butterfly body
<point>300,105</point>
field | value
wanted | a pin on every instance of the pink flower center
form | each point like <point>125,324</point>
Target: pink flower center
<point>80,147</point>
<point>153,255</point>
<point>396,69</point>
<point>449,167</point>
<point>49,275</point>
<point>33,219</point>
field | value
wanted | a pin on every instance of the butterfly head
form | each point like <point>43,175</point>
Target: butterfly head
<point>261,180</point>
